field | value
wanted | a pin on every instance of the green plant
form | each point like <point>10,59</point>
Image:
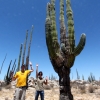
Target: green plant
<point>91,78</point>
<point>29,46</point>
<point>3,63</point>
<point>28,54</point>
<point>19,59</point>
<point>82,77</point>
<point>62,55</point>
<point>78,77</point>
<point>23,56</point>
<point>53,77</point>
<point>8,78</point>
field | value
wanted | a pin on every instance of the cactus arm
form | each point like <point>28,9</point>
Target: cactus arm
<point>69,57</point>
<point>70,24</point>
<point>53,28</point>
<point>62,26</point>
<point>23,57</point>
<point>48,35</point>
<point>62,10</point>
<point>81,45</point>
<point>51,35</point>
<point>48,31</point>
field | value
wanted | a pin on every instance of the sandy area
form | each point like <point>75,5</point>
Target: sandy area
<point>52,94</point>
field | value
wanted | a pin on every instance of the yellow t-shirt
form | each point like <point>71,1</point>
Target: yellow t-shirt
<point>21,78</point>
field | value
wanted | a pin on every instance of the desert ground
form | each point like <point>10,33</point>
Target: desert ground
<point>52,94</point>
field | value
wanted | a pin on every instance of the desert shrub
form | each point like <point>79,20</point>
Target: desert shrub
<point>82,89</point>
<point>91,89</point>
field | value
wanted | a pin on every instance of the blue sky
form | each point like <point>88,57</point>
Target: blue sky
<point>17,16</point>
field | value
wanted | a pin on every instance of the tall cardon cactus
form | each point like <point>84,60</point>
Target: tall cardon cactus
<point>13,68</point>
<point>2,64</point>
<point>28,55</point>
<point>19,60</point>
<point>8,78</point>
<point>29,46</point>
<point>62,55</point>
<point>23,56</point>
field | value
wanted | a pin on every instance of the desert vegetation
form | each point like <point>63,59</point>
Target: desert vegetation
<point>81,89</point>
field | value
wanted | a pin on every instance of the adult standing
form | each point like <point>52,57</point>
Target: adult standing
<point>21,77</point>
<point>39,84</point>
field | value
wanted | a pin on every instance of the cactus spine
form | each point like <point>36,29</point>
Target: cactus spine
<point>62,55</point>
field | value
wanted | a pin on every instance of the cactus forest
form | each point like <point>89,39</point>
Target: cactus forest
<point>13,70</point>
<point>62,55</point>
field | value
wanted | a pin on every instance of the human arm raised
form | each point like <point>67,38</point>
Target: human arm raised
<point>46,80</point>
<point>31,67</point>
<point>36,70</point>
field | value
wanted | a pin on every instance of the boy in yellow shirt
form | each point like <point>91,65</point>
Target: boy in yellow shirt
<point>21,77</point>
